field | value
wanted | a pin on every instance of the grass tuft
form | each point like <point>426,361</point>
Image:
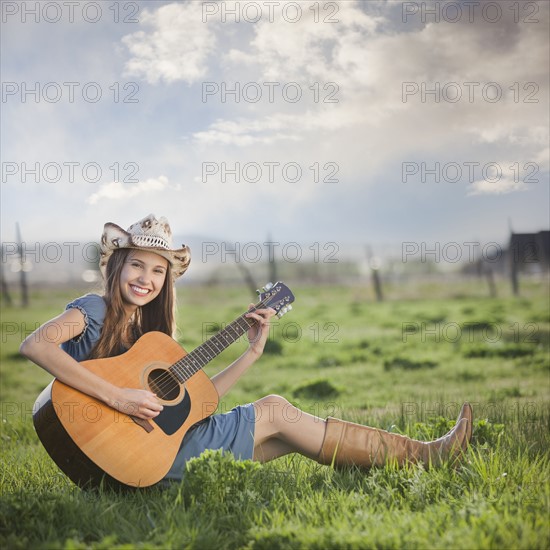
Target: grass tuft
<point>408,364</point>
<point>317,389</point>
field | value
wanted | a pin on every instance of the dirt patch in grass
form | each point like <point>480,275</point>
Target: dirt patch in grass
<point>408,364</point>
<point>316,389</point>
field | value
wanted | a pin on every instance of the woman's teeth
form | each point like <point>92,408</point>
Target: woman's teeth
<point>138,290</point>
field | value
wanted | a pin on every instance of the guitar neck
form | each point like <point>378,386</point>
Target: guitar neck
<point>277,296</point>
<point>202,355</point>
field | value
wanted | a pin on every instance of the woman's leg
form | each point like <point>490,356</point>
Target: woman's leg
<point>281,428</point>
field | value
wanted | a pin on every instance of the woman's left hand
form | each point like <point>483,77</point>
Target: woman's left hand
<point>259,331</point>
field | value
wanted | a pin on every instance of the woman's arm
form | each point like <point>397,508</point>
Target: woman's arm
<point>257,337</point>
<point>42,348</point>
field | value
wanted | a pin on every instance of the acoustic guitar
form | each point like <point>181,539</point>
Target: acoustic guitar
<point>94,444</point>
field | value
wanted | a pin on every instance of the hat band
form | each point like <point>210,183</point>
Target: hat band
<point>149,241</point>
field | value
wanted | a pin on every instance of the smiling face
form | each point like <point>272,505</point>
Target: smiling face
<point>142,278</point>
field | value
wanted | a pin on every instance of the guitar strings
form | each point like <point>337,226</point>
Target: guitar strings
<point>184,368</point>
<point>166,380</point>
<point>186,371</point>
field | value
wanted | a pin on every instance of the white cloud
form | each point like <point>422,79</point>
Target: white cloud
<point>370,67</point>
<point>243,133</point>
<point>503,186</point>
<point>270,129</point>
<point>504,177</point>
<point>309,49</point>
<point>542,158</point>
<point>117,190</point>
<point>175,49</point>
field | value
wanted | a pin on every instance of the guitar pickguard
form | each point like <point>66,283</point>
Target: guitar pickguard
<point>172,417</point>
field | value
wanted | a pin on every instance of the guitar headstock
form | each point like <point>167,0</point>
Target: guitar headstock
<point>277,296</point>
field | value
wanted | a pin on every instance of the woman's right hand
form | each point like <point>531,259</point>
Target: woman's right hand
<point>141,403</point>
<point>42,347</point>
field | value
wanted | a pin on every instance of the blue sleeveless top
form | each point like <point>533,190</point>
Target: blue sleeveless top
<point>93,307</point>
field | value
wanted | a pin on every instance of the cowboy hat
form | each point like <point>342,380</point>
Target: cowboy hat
<point>147,234</point>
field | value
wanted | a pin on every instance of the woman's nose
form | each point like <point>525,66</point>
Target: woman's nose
<point>144,277</point>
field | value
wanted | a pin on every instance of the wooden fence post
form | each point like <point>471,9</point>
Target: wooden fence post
<point>23,276</point>
<point>271,259</point>
<point>375,275</point>
<point>5,290</point>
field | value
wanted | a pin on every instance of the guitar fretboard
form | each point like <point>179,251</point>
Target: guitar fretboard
<point>190,364</point>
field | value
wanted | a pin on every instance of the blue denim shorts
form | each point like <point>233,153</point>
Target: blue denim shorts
<point>232,431</point>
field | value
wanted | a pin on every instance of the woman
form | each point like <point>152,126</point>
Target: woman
<point>139,267</point>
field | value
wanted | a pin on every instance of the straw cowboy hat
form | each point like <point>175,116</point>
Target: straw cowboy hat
<point>147,234</point>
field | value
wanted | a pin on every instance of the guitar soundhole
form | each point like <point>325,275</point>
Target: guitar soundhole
<point>163,384</point>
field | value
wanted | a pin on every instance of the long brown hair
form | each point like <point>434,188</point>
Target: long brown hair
<point>159,314</point>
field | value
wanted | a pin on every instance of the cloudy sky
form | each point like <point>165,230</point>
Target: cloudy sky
<point>346,121</point>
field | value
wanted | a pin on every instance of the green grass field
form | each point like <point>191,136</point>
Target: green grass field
<point>403,365</point>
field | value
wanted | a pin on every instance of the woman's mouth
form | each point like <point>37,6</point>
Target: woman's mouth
<point>140,291</point>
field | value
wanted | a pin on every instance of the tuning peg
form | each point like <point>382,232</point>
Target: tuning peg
<point>289,307</point>
<point>267,287</point>
<point>258,292</point>
<point>283,311</point>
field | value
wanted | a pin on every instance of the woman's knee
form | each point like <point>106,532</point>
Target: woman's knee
<point>273,398</point>
<point>272,408</point>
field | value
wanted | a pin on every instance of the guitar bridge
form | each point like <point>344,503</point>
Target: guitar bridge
<point>145,424</point>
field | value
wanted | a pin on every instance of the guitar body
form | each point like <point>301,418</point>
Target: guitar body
<point>91,441</point>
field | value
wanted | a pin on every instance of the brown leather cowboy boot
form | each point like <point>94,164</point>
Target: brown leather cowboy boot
<point>347,443</point>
